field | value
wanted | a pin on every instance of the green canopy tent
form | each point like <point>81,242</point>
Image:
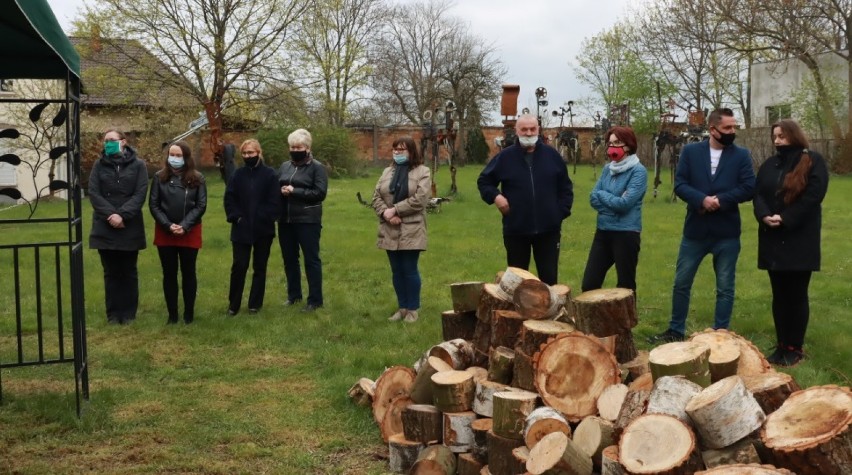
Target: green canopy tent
<point>34,47</point>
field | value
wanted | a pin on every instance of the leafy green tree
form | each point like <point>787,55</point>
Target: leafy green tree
<point>333,146</point>
<point>808,109</point>
<point>476,147</point>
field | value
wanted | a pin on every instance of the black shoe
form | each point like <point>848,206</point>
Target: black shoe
<point>291,302</point>
<point>232,312</point>
<point>253,310</point>
<point>310,307</point>
<point>667,336</point>
<point>113,321</point>
<point>786,356</point>
<point>171,321</point>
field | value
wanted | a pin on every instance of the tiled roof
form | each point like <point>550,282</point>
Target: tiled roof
<point>118,72</point>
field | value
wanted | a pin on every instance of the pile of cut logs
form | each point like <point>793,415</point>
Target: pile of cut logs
<point>529,380</point>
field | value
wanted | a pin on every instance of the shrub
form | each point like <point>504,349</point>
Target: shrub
<point>333,146</point>
<point>476,148</point>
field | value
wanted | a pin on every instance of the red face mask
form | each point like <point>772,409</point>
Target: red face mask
<point>615,153</point>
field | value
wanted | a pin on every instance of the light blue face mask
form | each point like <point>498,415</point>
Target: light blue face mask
<point>112,147</point>
<point>176,162</point>
<point>400,158</point>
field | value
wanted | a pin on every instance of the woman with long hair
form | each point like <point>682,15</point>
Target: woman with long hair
<point>178,201</point>
<point>399,200</point>
<point>788,206</point>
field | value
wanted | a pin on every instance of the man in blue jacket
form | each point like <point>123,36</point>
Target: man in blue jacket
<point>713,178</point>
<point>529,184</point>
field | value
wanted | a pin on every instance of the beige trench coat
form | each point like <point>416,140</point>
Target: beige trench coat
<point>411,234</point>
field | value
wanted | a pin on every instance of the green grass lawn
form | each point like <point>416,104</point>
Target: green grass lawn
<point>266,393</point>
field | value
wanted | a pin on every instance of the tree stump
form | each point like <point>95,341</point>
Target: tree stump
<point>670,395</point>
<point>501,461</point>
<point>361,393</point>
<point>657,443</point>
<point>434,460</point>
<point>724,353</point>
<point>605,312</point>
<point>751,359</point>
<point>453,391</point>
<point>511,409</point>
<point>536,300</point>
<point>535,333</point>
<point>465,296</point>
<point>634,406</point>
<point>593,435</point>
<point>809,433</point>
<point>421,388</point>
<point>394,381</point>
<point>610,401</point>
<point>456,324</point>
<point>481,428</point>
<point>609,461</point>
<point>468,464</point>
<point>745,469</point>
<point>402,453</point>
<point>687,359</point>
<point>457,353</point>
<point>523,373</point>
<point>724,413</point>
<point>771,389</point>
<point>542,421</point>
<point>557,454</point>
<point>637,366</point>
<point>458,435</point>
<point>483,401</point>
<point>571,372</point>
<point>500,364</point>
<point>392,420</point>
<point>505,327</point>
<point>491,299</point>
<point>422,423</point>
<point>739,453</point>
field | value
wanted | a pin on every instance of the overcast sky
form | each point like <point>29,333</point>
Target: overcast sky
<point>537,40</point>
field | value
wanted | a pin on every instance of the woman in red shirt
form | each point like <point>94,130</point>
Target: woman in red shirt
<point>178,200</point>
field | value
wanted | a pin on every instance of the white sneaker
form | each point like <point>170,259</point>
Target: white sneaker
<point>398,315</point>
<point>411,316</point>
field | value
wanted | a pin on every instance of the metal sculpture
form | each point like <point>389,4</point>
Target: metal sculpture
<point>567,140</point>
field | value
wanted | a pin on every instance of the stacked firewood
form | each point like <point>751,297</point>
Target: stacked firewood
<point>531,380</point>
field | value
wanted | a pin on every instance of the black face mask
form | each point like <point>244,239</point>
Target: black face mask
<point>298,156</point>
<point>726,139</point>
<point>251,161</point>
<point>783,149</point>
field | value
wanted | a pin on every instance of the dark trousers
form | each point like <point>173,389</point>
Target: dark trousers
<point>612,247</point>
<point>406,278</point>
<point>172,259</point>
<point>790,308</point>
<point>545,251</point>
<point>242,254</point>
<point>304,236</point>
<point>121,284</point>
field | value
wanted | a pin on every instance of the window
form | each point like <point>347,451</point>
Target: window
<point>778,112</point>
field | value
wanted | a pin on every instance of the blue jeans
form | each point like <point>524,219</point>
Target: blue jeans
<point>692,251</point>
<point>406,278</point>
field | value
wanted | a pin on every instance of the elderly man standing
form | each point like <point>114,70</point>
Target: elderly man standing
<point>529,184</point>
<point>713,178</point>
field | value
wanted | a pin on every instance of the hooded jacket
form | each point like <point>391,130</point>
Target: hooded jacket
<point>540,195</point>
<point>118,184</point>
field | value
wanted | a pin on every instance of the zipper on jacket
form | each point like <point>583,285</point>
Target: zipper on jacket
<point>288,198</point>
<point>532,186</point>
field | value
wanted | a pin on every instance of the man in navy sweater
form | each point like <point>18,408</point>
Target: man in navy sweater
<point>529,184</point>
<point>713,178</point>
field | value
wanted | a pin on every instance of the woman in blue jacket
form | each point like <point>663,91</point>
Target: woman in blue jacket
<point>617,197</point>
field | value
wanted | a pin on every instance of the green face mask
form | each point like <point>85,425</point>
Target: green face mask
<point>112,147</point>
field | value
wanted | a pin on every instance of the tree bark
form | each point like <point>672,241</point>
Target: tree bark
<point>402,453</point>
<point>670,395</point>
<point>491,299</point>
<point>634,406</point>
<point>609,461</point>
<point>687,359</point>
<point>542,421</point>
<point>771,389</point>
<point>483,402</point>
<point>458,324</point>
<point>422,423</point>
<point>421,388</point>
<point>605,312</point>
<point>457,353</point>
<point>535,333</point>
<point>434,460</point>
<point>361,393</point>
<point>500,365</point>
<point>481,428</point>
<point>468,464</point>
<point>741,452</point>
<point>523,373</point>
<point>511,409</point>
<point>505,327</point>
<point>724,413</point>
<point>500,458</point>
<point>458,435</point>
<point>453,391</point>
<point>465,295</point>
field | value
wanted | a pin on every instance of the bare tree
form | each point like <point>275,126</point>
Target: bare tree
<point>332,43</point>
<point>220,52</point>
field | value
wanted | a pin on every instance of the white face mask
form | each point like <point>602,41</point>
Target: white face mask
<point>528,141</point>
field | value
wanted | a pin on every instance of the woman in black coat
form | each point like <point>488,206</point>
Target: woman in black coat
<point>788,198</point>
<point>178,201</point>
<point>118,186</point>
<point>251,206</point>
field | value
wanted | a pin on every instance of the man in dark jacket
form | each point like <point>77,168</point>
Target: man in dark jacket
<point>251,206</point>
<point>713,178</point>
<point>118,185</point>
<point>529,184</point>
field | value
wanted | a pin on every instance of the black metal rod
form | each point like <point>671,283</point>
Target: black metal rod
<point>59,313</point>
<point>39,327</point>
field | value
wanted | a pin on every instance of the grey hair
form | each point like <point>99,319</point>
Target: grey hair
<point>300,137</point>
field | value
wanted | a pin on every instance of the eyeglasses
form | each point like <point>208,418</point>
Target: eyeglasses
<point>398,149</point>
<point>615,144</point>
